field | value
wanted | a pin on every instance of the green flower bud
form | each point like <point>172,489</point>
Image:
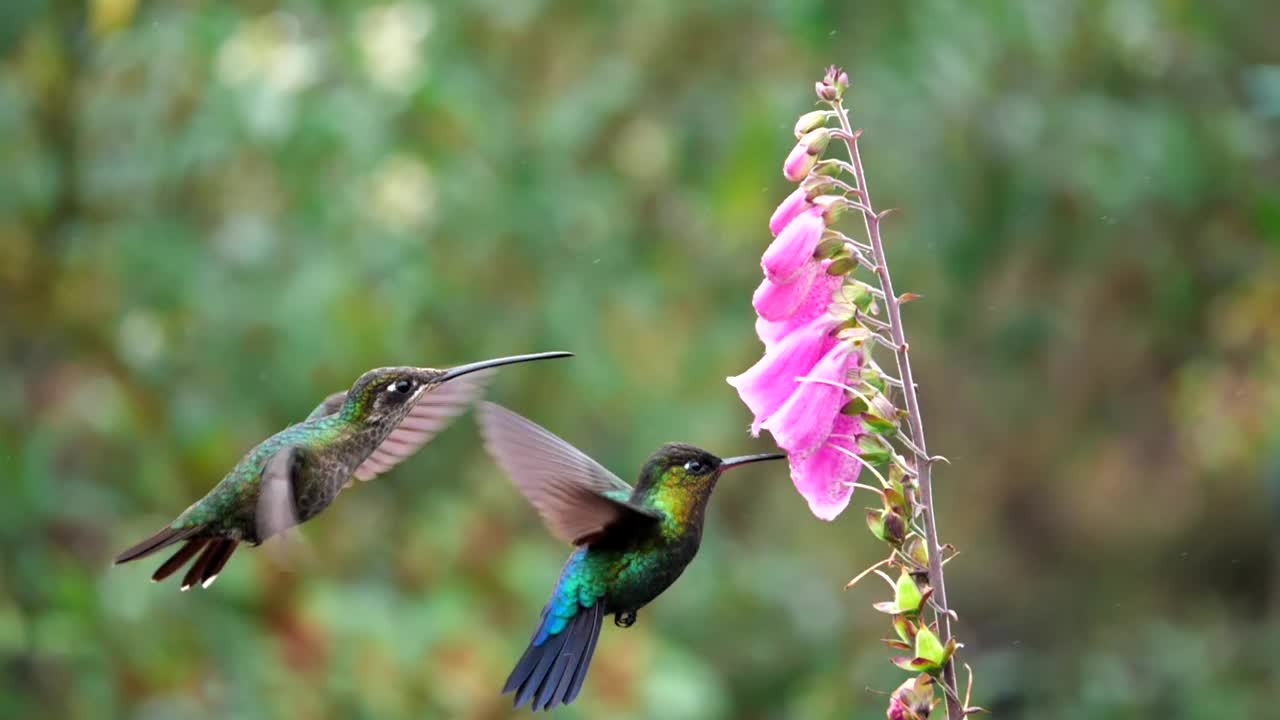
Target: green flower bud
<point>815,141</point>
<point>930,654</point>
<point>809,121</point>
<point>887,526</point>
<point>905,627</point>
<point>842,266</point>
<point>914,548</point>
<point>870,450</point>
<point>828,249</point>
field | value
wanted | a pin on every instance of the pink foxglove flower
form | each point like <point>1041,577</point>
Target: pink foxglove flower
<point>825,477</point>
<point>804,421</point>
<point>819,393</point>
<point>765,386</point>
<point>787,255</point>
<point>796,203</point>
<point>815,303</point>
<point>798,163</point>
<point>778,301</point>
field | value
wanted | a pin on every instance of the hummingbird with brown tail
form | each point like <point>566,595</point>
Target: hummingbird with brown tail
<point>387,415</point>
<point>630,543</point>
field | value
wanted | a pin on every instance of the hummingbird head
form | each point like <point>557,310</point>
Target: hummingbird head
<point>679,478</point>
<point>678,466</point>
<point>389,393</point>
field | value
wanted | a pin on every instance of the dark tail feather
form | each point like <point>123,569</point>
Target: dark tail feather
<point>159,541</point>
<point>217,563</point>
<point>206,567</point>
<point>551,674</point>
<point>179,559</point>
<point>580,673</point>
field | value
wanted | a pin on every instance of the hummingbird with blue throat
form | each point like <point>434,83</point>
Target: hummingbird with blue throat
<point>630,543</point>
<point>387,415</point>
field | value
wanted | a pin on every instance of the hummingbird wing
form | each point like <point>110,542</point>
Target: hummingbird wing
<point>329,405</point>
<point>433,412</point>
<point>277,507</point>
<point>578,499</point>
<point>277,514</point>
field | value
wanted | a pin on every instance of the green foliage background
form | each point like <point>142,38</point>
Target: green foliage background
<point>212,214</point>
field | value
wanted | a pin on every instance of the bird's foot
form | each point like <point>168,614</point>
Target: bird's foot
<point>625,619</point>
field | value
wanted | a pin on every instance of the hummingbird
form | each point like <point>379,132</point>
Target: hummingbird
<point>387,415</point>
<point>630,544</point>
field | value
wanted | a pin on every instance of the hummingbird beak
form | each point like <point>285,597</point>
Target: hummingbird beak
<point>745,459</point>
<point>459,371</point>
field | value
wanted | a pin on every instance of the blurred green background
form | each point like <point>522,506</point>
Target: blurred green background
<point>212,214</point>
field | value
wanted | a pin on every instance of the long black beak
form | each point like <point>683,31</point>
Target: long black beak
<point>745,459</point>
<point>459,371</point>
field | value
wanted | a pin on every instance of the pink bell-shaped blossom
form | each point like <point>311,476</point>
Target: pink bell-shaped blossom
<point>825,477</point>
<point>798,163</point>
<point>794,246</point>
<point>805,154</point>
<point>778,301</point>
<point>804,421</point>
<point>796,203</point>
<point>765,386</point>
<point>815,303</point>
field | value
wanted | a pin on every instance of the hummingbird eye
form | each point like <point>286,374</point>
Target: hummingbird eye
<point>401,386</point>
<point>695,466</point>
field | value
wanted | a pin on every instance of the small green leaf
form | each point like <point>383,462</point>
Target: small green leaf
<point>843,266</point>
<point>905,628</point>
<point>870,450</point>
<point>894,501</point>
<point>949,650</point>
<point>862,297</point>
<point>907,595</point>
<point>887,607</point>
<point>916,664</point>
<point>854,407</point>
<point>875,380</point>
<point>828,249</point>
<point>877,425</point>
<point>929,648</point>
<point>914,548</point>
<point>875,522</point>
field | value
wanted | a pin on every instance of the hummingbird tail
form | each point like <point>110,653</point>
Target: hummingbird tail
<point>159,541</point>
<point>552,673</point>
<point>216,552</point>
<point>206,567</point>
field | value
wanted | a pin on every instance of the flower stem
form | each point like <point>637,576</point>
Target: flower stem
<point>955,709</point>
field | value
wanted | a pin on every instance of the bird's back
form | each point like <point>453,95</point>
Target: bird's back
<point>232,504</point>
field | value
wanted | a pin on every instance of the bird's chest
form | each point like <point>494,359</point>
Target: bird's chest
<point>643,572</point>
<point>323,473</point>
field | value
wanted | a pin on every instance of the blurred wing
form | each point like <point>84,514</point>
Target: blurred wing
<point>331,405</point>
<point>432,413</point>
<point>577,498</point>
<point>277,510</point>
<point>277,516</point>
